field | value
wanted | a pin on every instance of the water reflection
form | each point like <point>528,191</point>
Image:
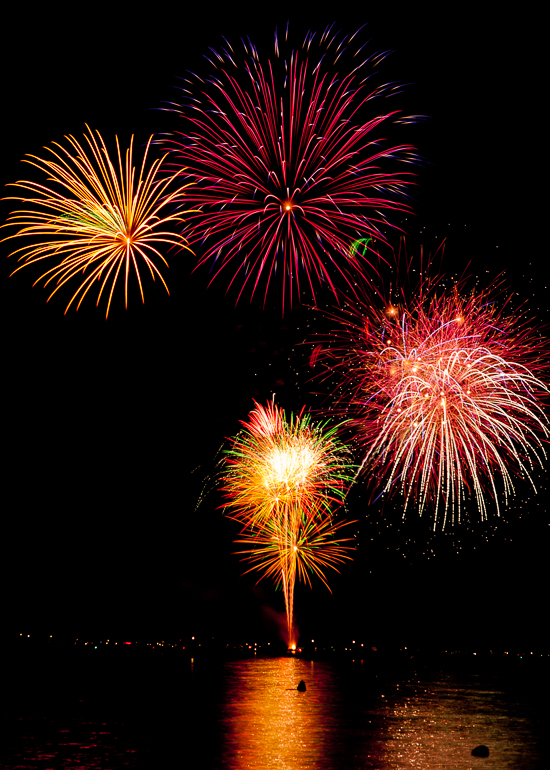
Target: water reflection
<point>436,725</point>
<point>249,714</point>
<point>349,720</point>
<point>267,723</point>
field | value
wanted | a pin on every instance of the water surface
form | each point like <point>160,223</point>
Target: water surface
<point>170,713</point>
<point>349,719</point>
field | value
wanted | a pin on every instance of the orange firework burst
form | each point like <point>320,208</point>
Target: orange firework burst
<point>281,480</point>
<point>97,219</point>
<point>447,394</point>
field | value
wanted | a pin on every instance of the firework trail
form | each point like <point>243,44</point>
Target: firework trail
<point>97,219</point>
<point>289,162</point>
<point>281,480</point>
<point>446,393</point>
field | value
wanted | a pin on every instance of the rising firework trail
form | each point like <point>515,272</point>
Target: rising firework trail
<point>446,392</point>
<point>289,162</point>
<point>281,479</point>
<point>95,218</point>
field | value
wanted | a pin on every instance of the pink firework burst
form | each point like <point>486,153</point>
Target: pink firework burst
<point>290,166</point>
<point>447,395</point>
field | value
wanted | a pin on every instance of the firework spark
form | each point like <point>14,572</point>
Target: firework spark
<point>281,480</point>
<point>288,162</point>
<point>446,393</point>
<point>97,219</point>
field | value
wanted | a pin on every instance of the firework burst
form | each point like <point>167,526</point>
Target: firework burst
<point>446,394</point>
<point>281,481</point>
<point>289,163</point>
<point>98,218</point>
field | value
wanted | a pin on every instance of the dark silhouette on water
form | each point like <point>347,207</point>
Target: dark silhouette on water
<point>480,751</point>
<point>302,686</point>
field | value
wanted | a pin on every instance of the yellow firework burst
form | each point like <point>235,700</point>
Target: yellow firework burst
<point>97,218</point>
<point>281,480</point>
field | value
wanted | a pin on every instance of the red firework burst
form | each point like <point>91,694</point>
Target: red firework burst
<point>447,394</point>
<point>290,168</point>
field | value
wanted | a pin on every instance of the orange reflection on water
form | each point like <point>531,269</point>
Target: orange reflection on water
<point>436,725</point>
<point>267,722</point>
<point>348,719</point>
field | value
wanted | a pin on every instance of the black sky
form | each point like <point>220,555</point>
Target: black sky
<point>106,420</point>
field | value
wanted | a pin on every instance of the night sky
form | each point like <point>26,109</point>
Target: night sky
<point>112,428</point>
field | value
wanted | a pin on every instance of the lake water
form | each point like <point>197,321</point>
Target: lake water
<point>339,722</point>
<point>248,714</point>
